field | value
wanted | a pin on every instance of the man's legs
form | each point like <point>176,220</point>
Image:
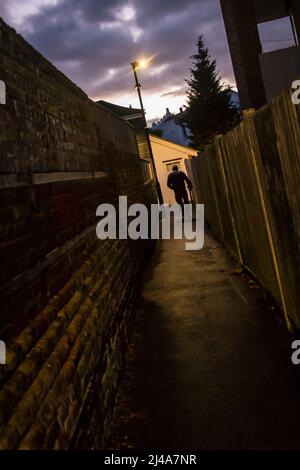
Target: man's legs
<point>185,197</point>
<point>181,198</point>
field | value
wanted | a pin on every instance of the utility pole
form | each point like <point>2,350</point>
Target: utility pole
<point>135,65</point>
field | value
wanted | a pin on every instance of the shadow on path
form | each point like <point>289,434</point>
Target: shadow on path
<point>210,360</point>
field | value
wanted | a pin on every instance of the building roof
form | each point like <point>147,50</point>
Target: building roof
<point>181,117</point>
<point>170,143</point>
<point>132,115</point>
<point>121,111</point>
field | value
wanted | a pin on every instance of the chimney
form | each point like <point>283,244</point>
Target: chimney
<point>181,110</point>
<point>168,111</point>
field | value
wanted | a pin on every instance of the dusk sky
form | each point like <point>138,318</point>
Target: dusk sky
<point>94,41</point>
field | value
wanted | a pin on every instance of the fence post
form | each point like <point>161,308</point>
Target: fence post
<point>217,142</point>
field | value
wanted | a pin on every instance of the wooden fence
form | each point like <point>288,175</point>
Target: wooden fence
<point>249,182</point>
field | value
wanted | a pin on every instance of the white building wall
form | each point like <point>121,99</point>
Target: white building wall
<point>174,132</point>
<point>166,154</point>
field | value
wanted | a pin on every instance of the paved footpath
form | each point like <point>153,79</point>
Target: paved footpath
<point>210,360</point>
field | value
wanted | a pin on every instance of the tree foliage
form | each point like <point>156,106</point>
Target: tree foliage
<point>210,109</point>
<point>156,132</point>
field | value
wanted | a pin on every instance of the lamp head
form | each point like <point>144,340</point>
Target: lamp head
<point>141,64</point>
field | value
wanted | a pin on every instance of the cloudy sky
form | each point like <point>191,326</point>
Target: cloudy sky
<point>94,41</point>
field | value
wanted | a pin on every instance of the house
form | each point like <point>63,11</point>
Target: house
<point>135,118</point>
<point>166,154</point>
<point>260,76</point>
<point>132,115</point>
<point>173,128</point>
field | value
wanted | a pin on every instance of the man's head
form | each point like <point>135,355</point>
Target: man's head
<point>175,168</point>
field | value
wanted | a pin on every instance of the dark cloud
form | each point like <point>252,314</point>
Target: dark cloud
<point>149,12</point>
<point>4,10</point>
<point>176,92</point>
<point>94,41</point>
<point>87,39</point>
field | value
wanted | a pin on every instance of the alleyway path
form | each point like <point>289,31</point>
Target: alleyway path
<point>210,365</point>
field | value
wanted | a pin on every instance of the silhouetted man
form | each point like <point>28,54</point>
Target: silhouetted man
<point>177,181</point>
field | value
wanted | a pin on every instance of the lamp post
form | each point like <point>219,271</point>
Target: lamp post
<point>136,65</point>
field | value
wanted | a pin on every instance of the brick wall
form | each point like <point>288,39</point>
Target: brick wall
<point>67,299</point>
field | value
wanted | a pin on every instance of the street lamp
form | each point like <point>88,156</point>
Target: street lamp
<point>136,65</point>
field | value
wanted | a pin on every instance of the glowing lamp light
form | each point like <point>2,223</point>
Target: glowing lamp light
<point>142,63</point>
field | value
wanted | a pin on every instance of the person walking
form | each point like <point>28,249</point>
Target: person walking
<point>177,181</point>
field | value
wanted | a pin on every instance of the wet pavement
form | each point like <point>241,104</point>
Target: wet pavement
<point>210,360</point>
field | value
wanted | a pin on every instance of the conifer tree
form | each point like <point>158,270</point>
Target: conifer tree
<point>210,109</point>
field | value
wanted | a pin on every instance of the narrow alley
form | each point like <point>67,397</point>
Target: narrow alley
<point>210,360</point>
<point>110,340</point>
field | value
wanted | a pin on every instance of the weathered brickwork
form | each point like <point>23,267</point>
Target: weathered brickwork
<point>67,299</point>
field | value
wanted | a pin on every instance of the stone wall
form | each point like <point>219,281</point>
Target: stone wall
<point>67,299</point>
<point>249,183</point>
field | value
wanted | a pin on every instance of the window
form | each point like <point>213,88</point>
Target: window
<point>169,166</point>
<point>146,170</point>
<point>276,34</point>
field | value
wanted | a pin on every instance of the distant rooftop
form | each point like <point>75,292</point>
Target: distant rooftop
<point>132,115</point>
<point>121,111</point>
